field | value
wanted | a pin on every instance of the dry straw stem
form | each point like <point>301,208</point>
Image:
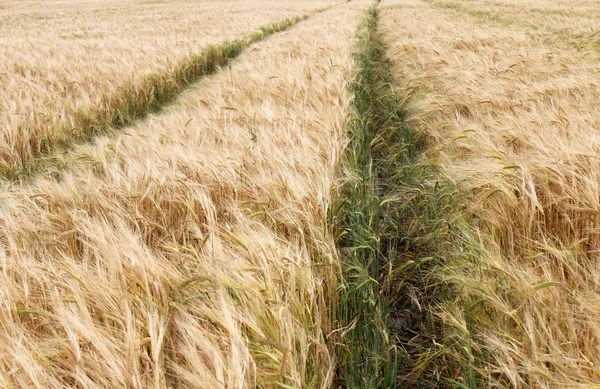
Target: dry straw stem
<point>192,251</point>
<point>101,64</point>
<point>512,121</point>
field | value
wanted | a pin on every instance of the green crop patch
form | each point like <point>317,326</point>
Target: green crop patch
<point>398,227</point>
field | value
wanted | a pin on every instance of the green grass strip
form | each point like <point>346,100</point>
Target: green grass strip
<point>367,353</point>
<point>136,99</point>
<point>399,228</point>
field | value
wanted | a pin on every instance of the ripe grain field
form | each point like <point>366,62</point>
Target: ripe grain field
<point>299,194</point>
<point>192,249</point>
<point>508,113</point>
<point>71,70</point>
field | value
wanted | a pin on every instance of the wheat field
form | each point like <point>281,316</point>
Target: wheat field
<point>87,53</point>
<point>191,250</point>
<point>511,115</point>
<point>299,194</point>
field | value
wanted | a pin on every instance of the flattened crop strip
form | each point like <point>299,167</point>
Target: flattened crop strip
<point>136,99</point>
<point>398,226</point>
